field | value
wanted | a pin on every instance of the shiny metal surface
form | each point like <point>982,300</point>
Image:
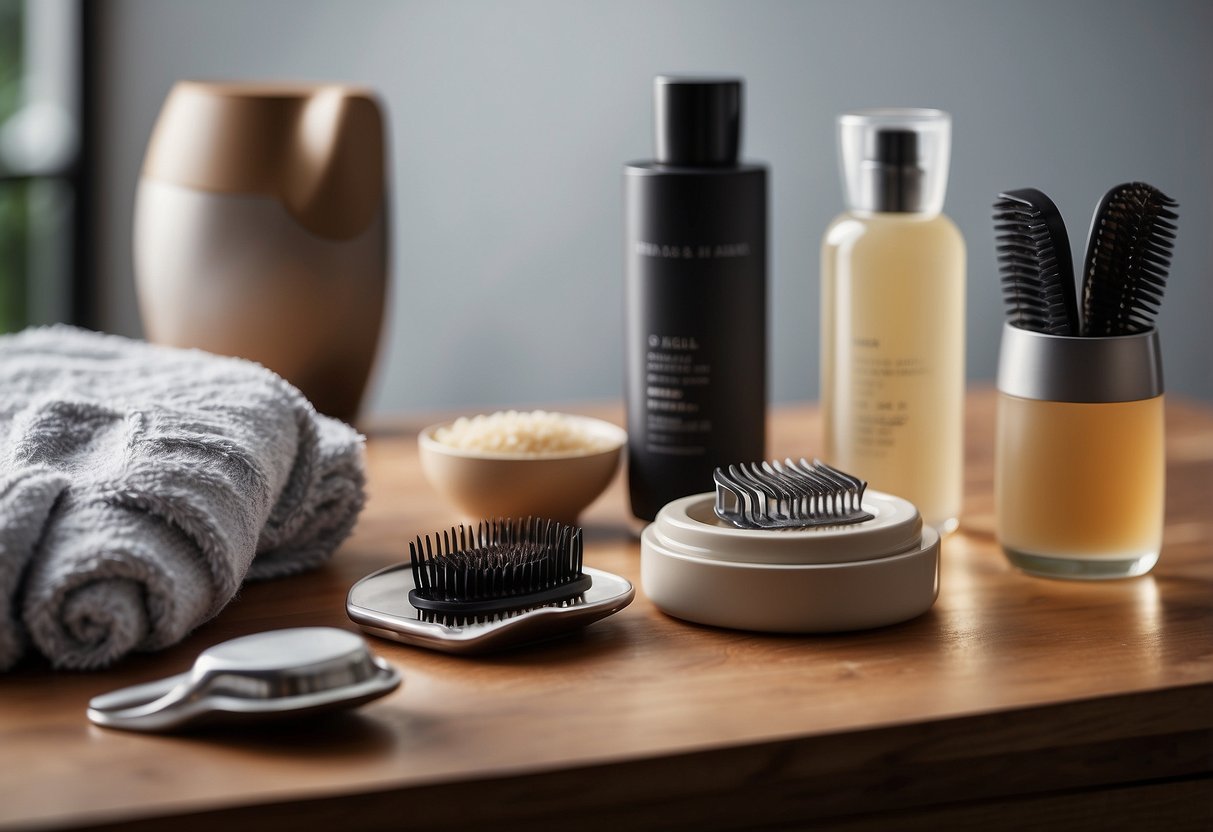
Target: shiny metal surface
<point>788,495</point>
<point>272,674</point>
<point>379,604</point>
<point>1123,368</point>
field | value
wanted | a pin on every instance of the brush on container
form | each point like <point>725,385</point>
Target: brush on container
<point>1128,258</point>
<point>1034,263</point>
<point>790,547</point>
<point>497,584</point>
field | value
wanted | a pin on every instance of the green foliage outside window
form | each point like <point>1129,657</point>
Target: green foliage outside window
<point>13,203</point>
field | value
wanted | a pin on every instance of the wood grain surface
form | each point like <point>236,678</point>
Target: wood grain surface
<point>1014,701</point>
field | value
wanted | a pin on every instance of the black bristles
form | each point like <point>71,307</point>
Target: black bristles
<point>1128,259</point>
<point>500,565</point>
<point>1034,263</point>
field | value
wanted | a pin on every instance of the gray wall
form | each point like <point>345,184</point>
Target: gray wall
<point>510,121</point>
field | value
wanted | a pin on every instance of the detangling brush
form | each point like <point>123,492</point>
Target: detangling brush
<point>1034,263</point>
<point>1128,259</point>
<point>500,583</point>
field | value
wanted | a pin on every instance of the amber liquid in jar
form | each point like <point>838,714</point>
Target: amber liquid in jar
<point>1079,488</point>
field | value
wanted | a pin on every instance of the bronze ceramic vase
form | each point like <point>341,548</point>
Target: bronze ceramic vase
<point>261,231</point>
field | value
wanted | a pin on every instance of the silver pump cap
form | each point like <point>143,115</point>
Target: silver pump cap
<point>895,159</point>
<point>1061,368</point>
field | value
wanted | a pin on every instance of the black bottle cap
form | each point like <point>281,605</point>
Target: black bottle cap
<point>893,166</point>
<point>895,148</point>
<point>698,120</point>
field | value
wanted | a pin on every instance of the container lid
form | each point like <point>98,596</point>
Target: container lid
<point>1083,369</point>
<point>895,159</point>
<point>698,120</point>
<point>689,526</point>
<point>790,597</point>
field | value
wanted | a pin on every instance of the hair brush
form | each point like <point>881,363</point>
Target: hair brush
<point>479,588</point>
<point>497,567</point>
<point>1034,262</point>
<point>1128,258</point>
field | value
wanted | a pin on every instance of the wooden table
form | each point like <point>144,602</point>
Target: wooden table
<point>1015,703</point>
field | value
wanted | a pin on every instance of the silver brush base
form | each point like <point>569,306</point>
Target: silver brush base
<point>379,604</point>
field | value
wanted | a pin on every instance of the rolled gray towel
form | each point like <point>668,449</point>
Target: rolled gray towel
<point>140,485</point>
<point>26,499</point>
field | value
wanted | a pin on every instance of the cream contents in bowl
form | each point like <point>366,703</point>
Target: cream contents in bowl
<point>538,432</point>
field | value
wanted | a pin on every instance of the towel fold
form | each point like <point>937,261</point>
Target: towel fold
<point>141,485</point>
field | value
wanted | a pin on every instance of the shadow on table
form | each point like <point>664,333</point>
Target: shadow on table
<point>333,736</point>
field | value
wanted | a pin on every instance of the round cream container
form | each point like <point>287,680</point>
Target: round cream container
<point>825,579</point>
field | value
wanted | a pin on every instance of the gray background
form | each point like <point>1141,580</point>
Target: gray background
<point>510,122</point>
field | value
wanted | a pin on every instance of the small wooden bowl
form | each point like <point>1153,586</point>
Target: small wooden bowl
<point>557,486</point>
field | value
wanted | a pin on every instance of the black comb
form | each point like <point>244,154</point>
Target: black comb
<point>1034,261</point>
<point>1128,258</point>
<point>496,567</point>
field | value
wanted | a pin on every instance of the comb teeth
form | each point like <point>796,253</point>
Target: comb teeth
<point>1128,259</point>
<point>788,495</point>
<point>498,566</point>
<point>1034,261</point>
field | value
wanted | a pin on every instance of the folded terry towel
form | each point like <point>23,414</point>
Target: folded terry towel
<point>140,485</point>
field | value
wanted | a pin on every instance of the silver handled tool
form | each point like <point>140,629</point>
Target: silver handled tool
<point>278,673</point>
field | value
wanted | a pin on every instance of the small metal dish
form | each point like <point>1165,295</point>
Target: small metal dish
<point>280,673</point>
<point>379,604</point>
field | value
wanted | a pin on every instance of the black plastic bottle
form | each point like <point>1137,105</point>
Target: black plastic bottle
<point>696,240</point>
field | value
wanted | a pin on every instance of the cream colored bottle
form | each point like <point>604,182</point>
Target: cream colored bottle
<point>893,314</point>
